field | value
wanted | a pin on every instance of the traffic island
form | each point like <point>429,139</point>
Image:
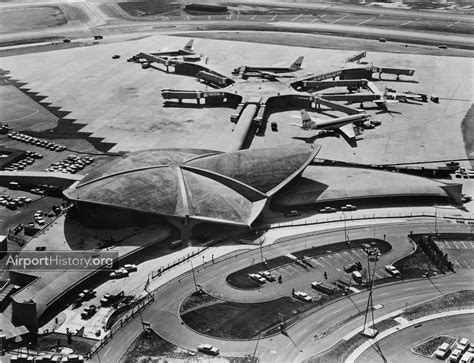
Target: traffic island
<point>222,319</point>
<point>428,347</point>
<point>149,346</point>
<point>241,280</point>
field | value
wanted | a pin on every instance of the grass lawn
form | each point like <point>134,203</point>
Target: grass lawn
<point>145,346</point>
<point>428,347</point>
<point>340,351</point>
<point>79,345</point>
<point>242,321</point>
<point>452,301</point>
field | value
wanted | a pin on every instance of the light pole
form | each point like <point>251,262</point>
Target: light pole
<point>345,228</point>
<point>261,255</point>
<point>436,219</point>
<point>194,276</point>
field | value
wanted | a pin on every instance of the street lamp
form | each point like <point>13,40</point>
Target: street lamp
<point>345,229</point>
<point>194,276</point>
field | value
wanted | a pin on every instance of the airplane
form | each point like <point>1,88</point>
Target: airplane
<point>393,95</point>
<point>345,124</point>
<point>270,71</point>
<point>186,51</point>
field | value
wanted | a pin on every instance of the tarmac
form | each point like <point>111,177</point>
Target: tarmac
<point>121,102</point>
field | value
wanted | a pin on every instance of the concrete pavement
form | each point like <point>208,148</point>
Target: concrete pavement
<point>164,313</point>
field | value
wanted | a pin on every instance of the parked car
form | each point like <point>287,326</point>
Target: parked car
<point>442,351</point>
<point>392,270</point>
<point>455,355</point>
<point>258,278</point>
<point>130,267</point>
<point>463,344</point>
<point>267,275</point>
<point>117,274</point>
<point>89,312</point>
<point>208,349</point>
<point>302,296</point>
<point>355,266</point>
<point>87,294</point>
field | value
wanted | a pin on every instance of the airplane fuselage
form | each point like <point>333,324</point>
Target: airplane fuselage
<point>270,69</point>
<point>341,121</point>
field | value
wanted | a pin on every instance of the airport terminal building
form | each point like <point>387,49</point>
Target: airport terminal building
<point>198,190</point>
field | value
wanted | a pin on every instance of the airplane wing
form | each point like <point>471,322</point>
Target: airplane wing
<point>348,134</point>
<point>271,75</point>
<point>348,131</point>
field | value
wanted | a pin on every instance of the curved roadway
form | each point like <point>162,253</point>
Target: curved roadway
<point>396,347</point>
<point>165,318</point>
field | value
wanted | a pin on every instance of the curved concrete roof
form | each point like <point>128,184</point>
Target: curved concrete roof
<point>202,184</point>
<point>330,184</point>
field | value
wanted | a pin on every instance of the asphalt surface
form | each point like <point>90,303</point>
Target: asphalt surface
<point>396,347</point>
<point>164,313</point>
<point>336,19</point>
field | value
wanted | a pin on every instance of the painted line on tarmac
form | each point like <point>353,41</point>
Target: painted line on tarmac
<point>366,21</point>
<point>335,21</point>
<point>253,17</point>
<point>187,17</point>
<point>407,22</point>
<point>312,21</point>
<point>409,288</point>
<point>450,25</point>
<point>385,293</point>
<point>297,17</point>
<point>272,19</point>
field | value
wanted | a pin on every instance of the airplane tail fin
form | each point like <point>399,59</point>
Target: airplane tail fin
<point>306,122</point>
<point>189,46</point>
<point>297,64</point>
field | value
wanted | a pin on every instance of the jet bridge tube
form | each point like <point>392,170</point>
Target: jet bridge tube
<point>243,126</point>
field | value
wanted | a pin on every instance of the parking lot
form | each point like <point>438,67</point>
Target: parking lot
<point>299,276</point>
<point>461,253</point>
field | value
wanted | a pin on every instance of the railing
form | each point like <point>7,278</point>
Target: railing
<point>198,268</point>
<point>469,220</point>
<point>147,300</point>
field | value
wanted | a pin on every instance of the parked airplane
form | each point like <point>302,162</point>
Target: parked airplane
<point>404,96</point>
<point>186,51</point>
<point>269,71</point>
<point>345,124</point>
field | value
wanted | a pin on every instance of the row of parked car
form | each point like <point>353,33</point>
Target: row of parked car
<point>36,141</point>
<point>72,164</point>
<point>123,271</point>
<point>462,351</point>
<point>262,277</point>
<point>13,203</point>
<point>464,173</point>
<point>20,164</point>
